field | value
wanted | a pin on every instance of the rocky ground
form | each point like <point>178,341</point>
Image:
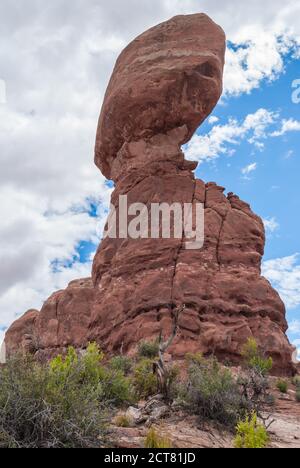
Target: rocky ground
<point>186,431</point>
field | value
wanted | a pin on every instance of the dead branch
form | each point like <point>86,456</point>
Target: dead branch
<point>159,367</point>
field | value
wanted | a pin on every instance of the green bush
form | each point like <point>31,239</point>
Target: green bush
<point>296,381</point>
<point>213,393</point>
<point>298,395</point>
<point>53,406</point>
<point>194,358</point>
<point>144,380</point>
<point>282,386</point>
<point>156,441</point>
<point>116,388</point>
<point>253,358</point>
<point>63,404</point>
<point>251,434</point>
<point>172,383</point>
<point>148,349</point>
<point>121,363</point>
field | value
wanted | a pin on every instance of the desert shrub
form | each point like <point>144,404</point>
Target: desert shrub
<point>254,359</point>
<point>296,381</point>
<point>172,374</point>
<point>122,420</point>
<point>116,388</point>
<point>144,380</point>
<point>53,406</point>
<point>148,349</point>
<point>255,391</point>
<point>194,358</point>
<point>213,393</point>
<point>251,434</point>
<point>270,399</point>
<point>298,395</point>
<point>282,386</point>
<point>63,404</point>
<point>156,441</point>
<point>121,363</point>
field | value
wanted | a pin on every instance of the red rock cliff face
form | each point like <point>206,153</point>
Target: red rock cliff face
<point>164,85</point>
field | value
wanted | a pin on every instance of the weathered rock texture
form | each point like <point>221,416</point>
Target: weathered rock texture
<point>169,77</point>
<point>165,84</point>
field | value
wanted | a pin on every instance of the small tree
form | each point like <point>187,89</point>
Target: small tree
<point>254,359</point>
<point>255,383</point>
<point>251,434</point>
<point>165,375</point>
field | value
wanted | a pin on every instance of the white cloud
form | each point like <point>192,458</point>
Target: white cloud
<point>287,126</point>
<point>284,274</point>
<point>250,168</point>
<point>213,119</point>
<point>296,343</point>
<point>252,61</point>
<point>294,326</point>
<point>271,224</point>
<point>222,137</point>
<point>2,333</point>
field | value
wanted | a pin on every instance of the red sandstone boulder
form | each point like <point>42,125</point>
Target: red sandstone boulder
<point>21,335</point>
<point>63,321</point>
<point>167,78</point>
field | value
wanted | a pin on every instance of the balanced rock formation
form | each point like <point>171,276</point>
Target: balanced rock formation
<point>165,83</point>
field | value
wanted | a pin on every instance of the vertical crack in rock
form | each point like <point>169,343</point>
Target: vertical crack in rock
<point>219,240</point>
<point>179,250</point>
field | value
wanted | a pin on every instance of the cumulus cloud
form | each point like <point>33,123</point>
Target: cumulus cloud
<point>250,168</point>
<point>294,326</point>
<point>289,125</point>
<point>213,119</point>
<point>271,224</point>
<point>284,274</point>
<point>222,138</point>
<point>255,60</point>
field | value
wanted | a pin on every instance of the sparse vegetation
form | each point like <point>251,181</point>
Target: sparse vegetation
<point>298,395</point>
<point>196,358</point>
<point>251,434</point>
<point>56,406</point>
<point>144,380</point>
<point>148,349</point>
<point>70,401</point>
<point>213,393</point>
<point>154,440</point>
<point>121,363</point>
<point>282,386</point>
<point>254,359</point>
<point>296,381</point>
<point>63,404</point>
<point>122,420</point>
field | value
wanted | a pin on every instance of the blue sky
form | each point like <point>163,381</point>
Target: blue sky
<point>55,63</point>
